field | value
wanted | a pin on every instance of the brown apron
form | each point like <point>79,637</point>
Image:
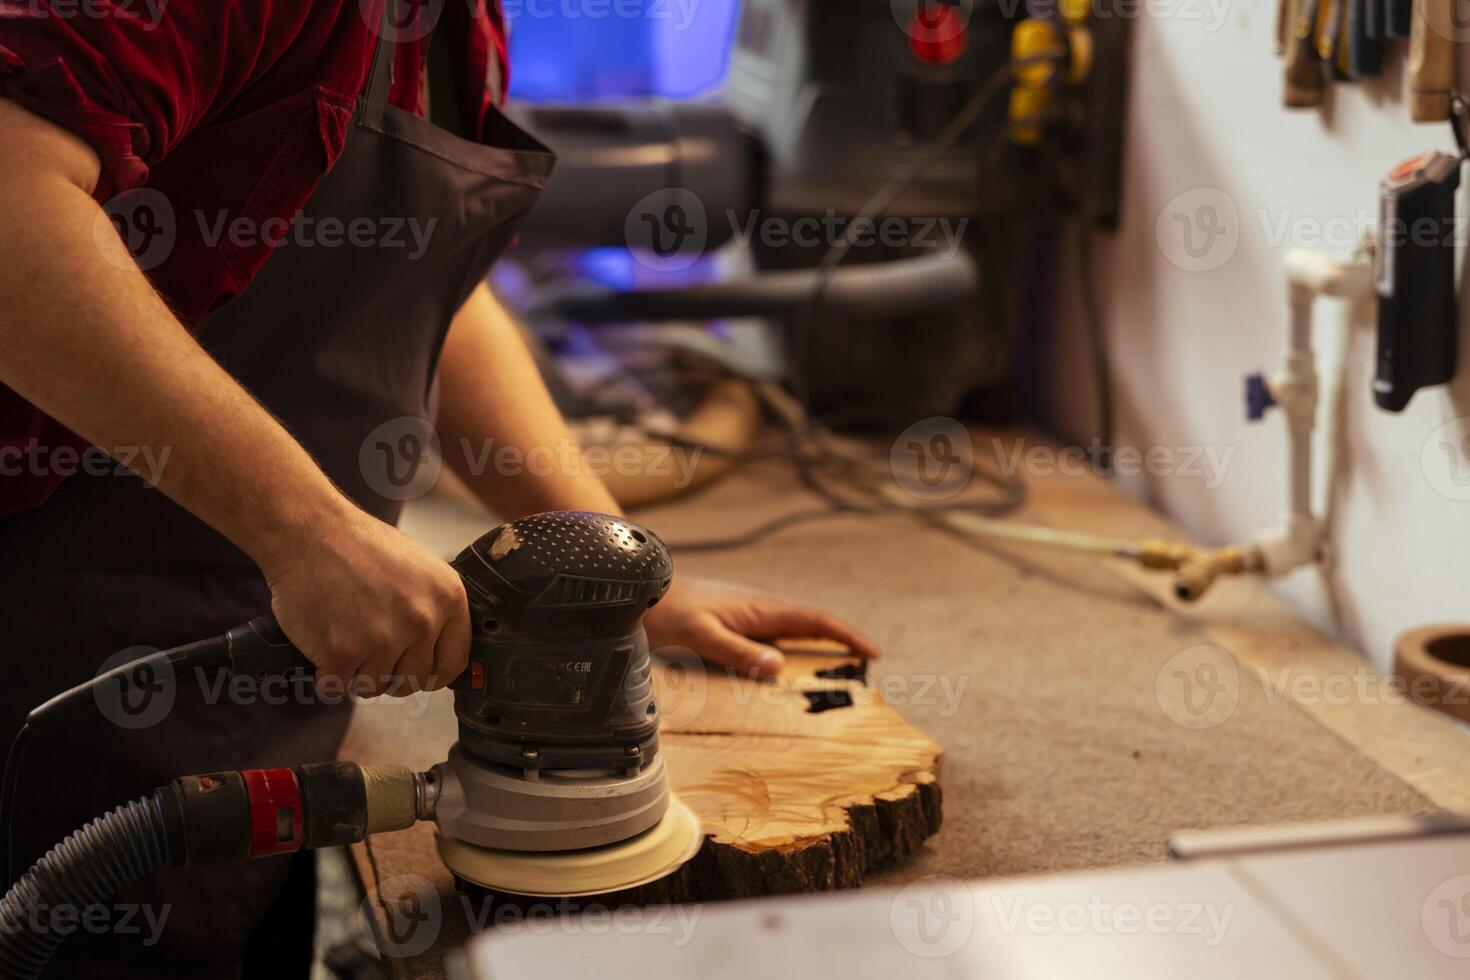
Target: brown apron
<point>334,341</point>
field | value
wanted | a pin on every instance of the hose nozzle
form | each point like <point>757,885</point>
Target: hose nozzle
<point>1198,568</point>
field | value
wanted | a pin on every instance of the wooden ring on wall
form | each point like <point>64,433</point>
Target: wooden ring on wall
<point>1433,663</point>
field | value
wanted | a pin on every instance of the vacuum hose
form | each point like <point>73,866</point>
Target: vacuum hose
<point>87,868</point>
<point>558,601</point>
<point>918,286</point>
<point>199,821</point>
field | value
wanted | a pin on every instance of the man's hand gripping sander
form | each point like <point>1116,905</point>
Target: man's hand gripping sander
<point>555,787</point>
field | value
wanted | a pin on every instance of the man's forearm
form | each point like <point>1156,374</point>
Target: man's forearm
<point>88,340</point>
<point>499,428</point>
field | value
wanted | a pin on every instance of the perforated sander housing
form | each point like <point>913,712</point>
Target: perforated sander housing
<point>558,727</point>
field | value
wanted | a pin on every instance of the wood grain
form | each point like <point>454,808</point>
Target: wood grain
<point>805,783</point>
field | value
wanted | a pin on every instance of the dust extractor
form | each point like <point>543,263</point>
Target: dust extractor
<point>554,788</point>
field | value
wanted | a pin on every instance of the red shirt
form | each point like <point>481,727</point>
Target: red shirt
<point>227,108</point>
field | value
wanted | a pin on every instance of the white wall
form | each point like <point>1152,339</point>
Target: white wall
<point>1205,113</point>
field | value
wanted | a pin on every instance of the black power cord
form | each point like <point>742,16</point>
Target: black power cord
<point>822,465</point>
<point>256,649</point>
<point>878,204</point>
<point>212,654</point>
<point>1102,371</point>
<point>814,451</point>
<point>7,799</point>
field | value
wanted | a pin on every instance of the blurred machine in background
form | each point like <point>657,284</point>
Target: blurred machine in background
<point>742,202</point>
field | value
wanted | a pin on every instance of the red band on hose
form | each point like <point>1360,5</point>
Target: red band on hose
<point>275,811</point>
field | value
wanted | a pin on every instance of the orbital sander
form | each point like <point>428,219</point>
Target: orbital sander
<point>555,787</point>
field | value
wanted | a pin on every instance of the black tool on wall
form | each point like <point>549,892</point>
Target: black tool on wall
<point>1364,30</point>
<point>1418,317</point>
<point>1398,15</point>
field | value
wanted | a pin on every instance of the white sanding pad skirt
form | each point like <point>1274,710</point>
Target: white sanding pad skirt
<point>656,853</point>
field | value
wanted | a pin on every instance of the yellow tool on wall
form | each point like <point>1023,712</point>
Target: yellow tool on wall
<point>1034,94</point>
<point>1304,77</point>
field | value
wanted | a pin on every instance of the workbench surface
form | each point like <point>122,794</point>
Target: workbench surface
<point>1085,715</point>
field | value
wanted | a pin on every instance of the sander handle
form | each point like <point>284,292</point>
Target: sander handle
<point>261,650</point>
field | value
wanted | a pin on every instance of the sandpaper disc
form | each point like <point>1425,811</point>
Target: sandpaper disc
<point>656,853</point>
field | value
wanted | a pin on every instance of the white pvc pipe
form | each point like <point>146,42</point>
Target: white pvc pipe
<point>1309,275</point>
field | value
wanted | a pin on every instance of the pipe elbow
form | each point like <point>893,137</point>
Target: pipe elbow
<point>1296,544</point>
<point>1310,274</point>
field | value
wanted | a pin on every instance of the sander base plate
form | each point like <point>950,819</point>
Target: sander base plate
<point>656,853</point>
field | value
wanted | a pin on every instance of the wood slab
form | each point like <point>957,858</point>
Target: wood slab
<point>805,783</point>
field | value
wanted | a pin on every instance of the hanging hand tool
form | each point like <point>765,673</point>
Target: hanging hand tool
<point>1330,23</point>
<point>1418,316</point>
<point>1398,18</point>
<point>1431,60</point>
<point>1038,85</point>
<point>1362,47</point>
<point>1304,74</point>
